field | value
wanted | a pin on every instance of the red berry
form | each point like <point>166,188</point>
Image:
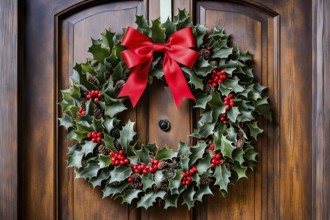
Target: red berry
<point>220,81</point>
<point>89,135</point>
<point>121,152</point>
<point>187,182</point>
<point>126,161</point>
<point>145,171</point>
<point>96,100</point>
<point>225,102</point>
<point>212,147</point>
<point>88,96</point>
<point>112,153</point>
<point>208,48</point>
<point>116,162</point>
<point>214,72</point>
<point>214,84</point>
<point>227,107</point>
<point>155,167</point>
<point>230,96</point>
<point>99,95</point>
<point>130,179</point>
<point>217,156</point>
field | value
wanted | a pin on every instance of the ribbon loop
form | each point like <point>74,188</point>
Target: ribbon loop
<point>139,57</point>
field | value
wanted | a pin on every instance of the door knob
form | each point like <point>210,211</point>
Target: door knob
<point>164,124</point>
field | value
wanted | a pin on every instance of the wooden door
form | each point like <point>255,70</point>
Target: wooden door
<point>57,34</point>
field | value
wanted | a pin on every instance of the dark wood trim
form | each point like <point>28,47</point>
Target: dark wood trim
<point>321,109</point>
<point>9,109</point>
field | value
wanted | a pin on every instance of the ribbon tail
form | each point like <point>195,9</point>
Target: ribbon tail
<point>176,81</point>
<point>136,83</point>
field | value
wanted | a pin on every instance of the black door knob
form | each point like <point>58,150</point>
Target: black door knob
<point>164,124</point>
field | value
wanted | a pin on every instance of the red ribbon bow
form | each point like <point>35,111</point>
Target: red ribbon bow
<point>139,56</point>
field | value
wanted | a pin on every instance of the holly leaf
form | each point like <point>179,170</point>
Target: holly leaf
<point>98,124</point>
<point>109,124</point>
<point>114,109</point>
<point>151,148</point>
<point>202,67</point>
<point>182,19</point>
<point>226,147</point>
<point>170,27</point>
<point>264,110</point>
<point>238,155</point>
<point>98,52</point>
<point>222,53</point>
<point>230,85</point>
<point>202,100</point>
<point>142,24</point>
<point>171,201</point>
<point>175,182</point>
<point>88,171</point>
<point>120,173</point>
<point>254,129</point>
<point>240,171</point>
<point>221,175</point>
<point>203,190</point>
<point>206,117</point>
<point>245,116</point>
<point>66,121</point>
<point>143,155</point>
<point>217,106</point>
<point>74,157</point>
<point>107,39</point>
<point>88,147</point>
<point>250,154</point>
<point>188,197</point>
<point>110,190</point>
<point>83,129</point>
<point>197,152</point>
<point>108,142</point>
<point>157,31</point>
<point>97,181</point>
<point>104,161</point>
<point>127,135</point>
<point>147,181</point>
<point>158,177</point>
<point>117,73</point>
<point>166,154</point>
<point>183,149</point>
<point>204,131</point>
<point>204,164</point>
<point>149,198</point>
<point>130,195</point>
<point>232,113</point>
<point>193,79</point>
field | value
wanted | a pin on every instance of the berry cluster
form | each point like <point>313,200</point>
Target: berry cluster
<point>216,160</point>
<point>224,119</point>
<point>118,158</point>
<point>217,77</point>
<point>229,101</point>
<point>186,177</point>
<point>145,169</point>
<point>95,95</point>
<point>212,146</point>
<point>95,136</point>
<point>81,112</point>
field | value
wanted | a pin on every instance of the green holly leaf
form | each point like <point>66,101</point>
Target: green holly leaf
<point>107,39</point>
<point>232,114</point>
<point>188,197</point>
<point>260,88</point>
<point>149,198</point>
<point>185,163</point>
<point>203,190</point>
<point>238,155</point>
<point>142,24</point>
<point>98,52</point>
<point>170,27</point>
<point>197,152</point>
<point>204,164</point>
<point>230,85</point>
<point>217,106</point>
<point>158,177</point>
<point>202,100</point>
<point>110,190</point>
<point>199,33</point>
<point>221,175</point>
<point>226,147</point>
<point>117,73</point>
<point>66,121</point>
<point>202,67</point>
<point>254,129</point>
<point>75,157</point>
<point>157,31</point>
<point>108,141</point>
<point>88,171</point>
<point>245,116</point>
<point>171,201</point>
<point>130,195</point>
<point>193,79</point>
<point>83,129</point>
<point>251,153</point>
<point>183,149</point>
<point>97,181</point>
<point>175,182</point>
<point>206,117</point>
<point>120,173</point>
<point>112,110</point>
<point>151,148</point>
<point>98,124</point>
<point>245,56</point>
<point>127,135</point>
<point>240,171</point>
<point>88,147</point>
<point>72,135</point>
<point>222,53</point>
<point>204,131</point>
<point>166,154</point>
<point>264,110</point>
<point>143,155</point>
<point>109,124</point>
<point>104,160</point>
<point>147,181</point>
<point>182,19</point>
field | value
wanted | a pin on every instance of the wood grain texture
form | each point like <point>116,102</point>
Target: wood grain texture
<point>9,109</point>
<point>321,109</point>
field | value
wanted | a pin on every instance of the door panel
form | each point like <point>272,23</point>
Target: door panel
<point>278,187</point>
<point>255,30</point>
